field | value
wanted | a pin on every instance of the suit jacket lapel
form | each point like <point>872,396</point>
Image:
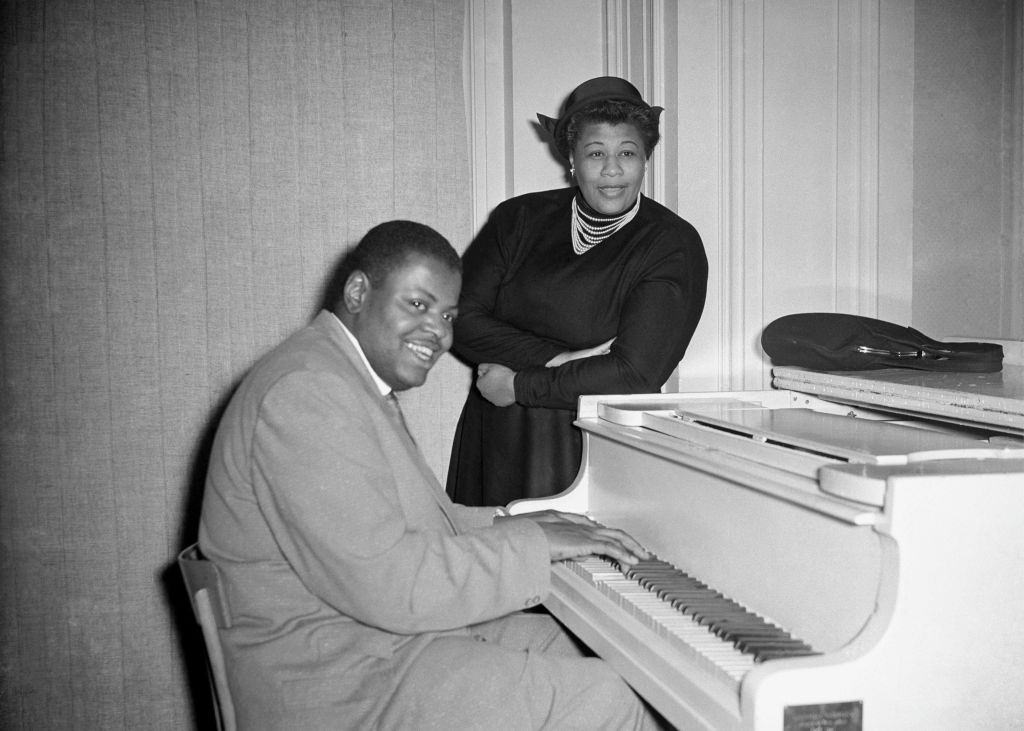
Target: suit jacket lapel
<point>328,324</point>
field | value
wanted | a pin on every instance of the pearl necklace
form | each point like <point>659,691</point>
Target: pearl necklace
<point>588,233</point>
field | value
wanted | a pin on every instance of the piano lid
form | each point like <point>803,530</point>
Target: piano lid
<point>992,401</point>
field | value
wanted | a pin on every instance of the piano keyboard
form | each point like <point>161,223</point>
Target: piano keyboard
<point>717,632</point>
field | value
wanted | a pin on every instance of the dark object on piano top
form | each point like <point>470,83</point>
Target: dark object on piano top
<point>832,341</point>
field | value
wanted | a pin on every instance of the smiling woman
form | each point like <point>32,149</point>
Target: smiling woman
<point>584,290</point>
<point>610,166</point>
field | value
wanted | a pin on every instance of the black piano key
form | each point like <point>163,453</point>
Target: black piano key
<point>662,573</point>
<point>755,644</point>
<point>744,616</point>
<point>710,620</point>
<point>740,625</point>
<point>691,591</point>
<point>696,605</point>
<point>687,592</point>
<point>735,631</point>
<point>778,652</point>
<point>749,634</point>
<point>724,610</point>
<point>648,568</point>
<point>764,655</point>
<point>675,582</point>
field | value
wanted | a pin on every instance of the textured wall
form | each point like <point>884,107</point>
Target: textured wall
<point>176,179</point>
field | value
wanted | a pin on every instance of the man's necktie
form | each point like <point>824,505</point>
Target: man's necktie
<point>392,401</point>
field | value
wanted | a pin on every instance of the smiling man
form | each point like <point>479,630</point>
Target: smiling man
<point>360,595</point>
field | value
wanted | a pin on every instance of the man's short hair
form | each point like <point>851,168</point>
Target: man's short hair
<point>385,248</point>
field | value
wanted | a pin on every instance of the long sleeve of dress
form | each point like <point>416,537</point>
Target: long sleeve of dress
<point>480,335</point>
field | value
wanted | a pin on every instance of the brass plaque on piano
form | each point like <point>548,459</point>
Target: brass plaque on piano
<point>845,716</point>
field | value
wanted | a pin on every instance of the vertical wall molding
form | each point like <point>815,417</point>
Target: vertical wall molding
<point>747,299</point>
<point>857,144</point>
<point>1012,319</point>
<point>868,93</point>
<point>743,297</point>
<point>732,174</point>
<point>487,104</point>
<point>635,49</point>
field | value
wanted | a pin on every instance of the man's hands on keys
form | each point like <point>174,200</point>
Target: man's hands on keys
<point>571,535</point>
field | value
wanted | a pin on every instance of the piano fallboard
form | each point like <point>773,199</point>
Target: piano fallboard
<point>891,549</point>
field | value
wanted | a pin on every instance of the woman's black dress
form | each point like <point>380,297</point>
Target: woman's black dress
<point>527,297</point>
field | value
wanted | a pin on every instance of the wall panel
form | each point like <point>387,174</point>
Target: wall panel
<point>176,181</point>
<point>962,166</point>
<point>700,177</point>
<point>800,135</point>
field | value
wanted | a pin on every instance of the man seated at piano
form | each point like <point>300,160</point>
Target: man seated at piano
<point>360,595</point>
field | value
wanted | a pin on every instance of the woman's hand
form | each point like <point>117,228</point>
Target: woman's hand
<point>568,355</point>
<point>496,383</point>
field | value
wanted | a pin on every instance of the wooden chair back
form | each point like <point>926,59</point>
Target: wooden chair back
<point>210,608</point>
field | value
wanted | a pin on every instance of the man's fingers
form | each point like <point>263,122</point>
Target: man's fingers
<point>572,536</point>
<point>618,544</point>
<point>630,549</point>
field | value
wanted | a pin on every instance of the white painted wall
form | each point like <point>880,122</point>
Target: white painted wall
<point>967,262</point>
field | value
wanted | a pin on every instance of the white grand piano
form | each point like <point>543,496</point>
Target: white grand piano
<point>843,551</point>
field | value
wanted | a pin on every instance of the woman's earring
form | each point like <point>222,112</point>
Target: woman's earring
<point>572,172</point>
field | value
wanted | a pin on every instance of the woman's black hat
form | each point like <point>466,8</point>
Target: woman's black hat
<point>602,88</point>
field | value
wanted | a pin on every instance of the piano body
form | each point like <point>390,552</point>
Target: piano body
<point>878,521</point>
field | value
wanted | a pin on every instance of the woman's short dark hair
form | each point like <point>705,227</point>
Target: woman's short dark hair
<point>385,248</point>
<point>613,111</point>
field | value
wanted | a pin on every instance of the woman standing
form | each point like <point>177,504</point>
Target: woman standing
<point>593,289</point>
